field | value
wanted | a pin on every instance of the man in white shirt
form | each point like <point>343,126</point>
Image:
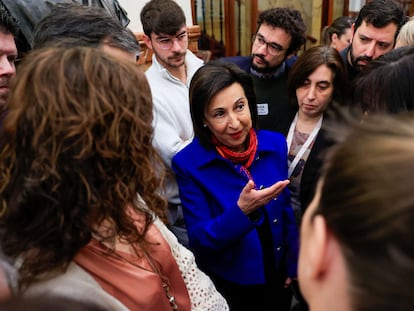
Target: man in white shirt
<point>169,76</point>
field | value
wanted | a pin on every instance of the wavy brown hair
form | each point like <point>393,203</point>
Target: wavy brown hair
<point>76,150</point>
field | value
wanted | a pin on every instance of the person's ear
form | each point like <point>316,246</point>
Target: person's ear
<point>147,41</point>
<point>352,31</point>
<point>319,247</point>
<point>334,39</point>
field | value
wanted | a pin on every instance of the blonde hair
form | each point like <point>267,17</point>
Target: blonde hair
<point>406,35</point>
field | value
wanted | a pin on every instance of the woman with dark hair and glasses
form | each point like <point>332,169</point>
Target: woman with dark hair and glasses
<point>232,180</point>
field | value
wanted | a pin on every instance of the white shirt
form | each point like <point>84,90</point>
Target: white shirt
<point>173,128</point>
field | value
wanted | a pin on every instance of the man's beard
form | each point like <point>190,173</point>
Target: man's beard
<point>354,60</point>
<point>266,69</point>
<point>170,60</point>
<point>4,82</point>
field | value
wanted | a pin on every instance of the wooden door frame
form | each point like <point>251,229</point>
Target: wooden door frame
<point>346,8</point>
<point>327,12</point>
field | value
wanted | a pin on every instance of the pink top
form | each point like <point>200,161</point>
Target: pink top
<point>4,287</point>
<point>132,280</point>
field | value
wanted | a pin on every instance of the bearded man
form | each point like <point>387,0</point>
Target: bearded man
<point>280,34</point>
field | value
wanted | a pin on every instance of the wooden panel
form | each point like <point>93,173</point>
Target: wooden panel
<point>229,27</point>
<point>327,8</point>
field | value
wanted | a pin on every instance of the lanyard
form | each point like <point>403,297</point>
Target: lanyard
<point>305,146</point>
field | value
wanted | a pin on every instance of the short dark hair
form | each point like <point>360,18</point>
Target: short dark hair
<point>30,12</point>
<point>7,23</point>
<point>79,25</point>
<point>380,13</point>
<point>162,17</point>
<point>386,84</point>
<point>290,20</point>
<point>207,82</point>
<point>312,59</point>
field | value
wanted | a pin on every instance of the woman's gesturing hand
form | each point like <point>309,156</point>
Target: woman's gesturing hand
<point>251,198</point>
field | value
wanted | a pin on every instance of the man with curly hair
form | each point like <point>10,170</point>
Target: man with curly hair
<point>280,33</point>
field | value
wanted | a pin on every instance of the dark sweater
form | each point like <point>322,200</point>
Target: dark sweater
<point>274,110</point>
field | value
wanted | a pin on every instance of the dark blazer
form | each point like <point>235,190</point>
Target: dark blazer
<point>312,169</point>
<point>352,73</point>
<point>274,109</point>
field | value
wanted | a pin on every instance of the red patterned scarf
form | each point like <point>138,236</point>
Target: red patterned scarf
<point>244,158</point>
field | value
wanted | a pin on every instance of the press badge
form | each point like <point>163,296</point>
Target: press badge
<point>263,109</point>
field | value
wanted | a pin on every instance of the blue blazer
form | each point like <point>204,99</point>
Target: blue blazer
<point>222,238</point>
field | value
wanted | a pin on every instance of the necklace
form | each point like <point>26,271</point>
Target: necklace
<point>164,280</point>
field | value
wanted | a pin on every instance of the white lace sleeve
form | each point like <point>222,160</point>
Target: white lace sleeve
<point>203,294</point>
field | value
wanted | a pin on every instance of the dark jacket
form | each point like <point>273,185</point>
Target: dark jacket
<point>313,165</point>
<point>274,109</point>
<point>352,73</point>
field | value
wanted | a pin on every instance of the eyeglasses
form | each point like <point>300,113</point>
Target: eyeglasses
<point>168,43</point>
<point>272,47</point>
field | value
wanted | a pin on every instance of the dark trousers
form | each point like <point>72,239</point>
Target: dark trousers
<point>263,297</point>
<point>176,223</point>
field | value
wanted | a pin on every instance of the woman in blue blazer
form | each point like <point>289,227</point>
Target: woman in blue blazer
<point>232,181</point>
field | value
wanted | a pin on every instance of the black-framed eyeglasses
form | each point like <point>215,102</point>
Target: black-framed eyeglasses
<point>272,47</point>
<point>166,43</point>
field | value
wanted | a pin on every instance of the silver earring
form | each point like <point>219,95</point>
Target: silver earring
<point>205,125</point>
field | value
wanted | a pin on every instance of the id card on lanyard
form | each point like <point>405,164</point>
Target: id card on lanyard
<point>305,146</point>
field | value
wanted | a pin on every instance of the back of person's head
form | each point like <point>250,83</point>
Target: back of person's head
<point>367,201</point>
<point>7,23</point>
<point>309,61</point>
<point>406,34</point>
<point>386,84</point>
<point>380,13</point>
<point>288,19</point>
<point>48,303</point>
<point>30,12</point>
<point>207,82</point>
<point>78,25</point>
<point>338,27</point>
<point>162,17</point>
<point>77,150</point>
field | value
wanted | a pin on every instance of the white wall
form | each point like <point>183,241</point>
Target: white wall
<point>356,5</point>
<point>133,7</point>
